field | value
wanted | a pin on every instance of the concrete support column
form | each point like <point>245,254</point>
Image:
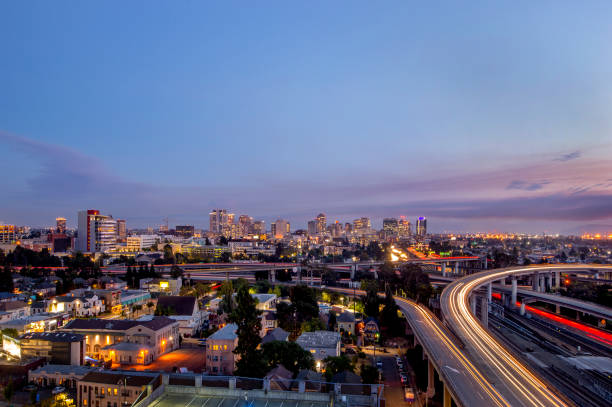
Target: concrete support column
<point>273,275</point>
<point>489,291</point>
<point>266,384</point>
<point>447,397</point>
<point>557,309</point>
<point>302,386</point>
<point>473,304</point>
<point>353,268</point>
<point>456,268</point>
<point>535,286</point>
<point>166,379</point>
<point>484,312</point>
<point>232,383</point>
<point>514,291</point>
<point>198,380</point>
<point>443,266</point>
<point>522,308</point>
<point>557,279</point>
<point>431,385</point>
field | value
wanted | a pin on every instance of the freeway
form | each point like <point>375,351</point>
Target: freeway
<point>464,381</point>
<point>568,302</point>
<point>514,380</point>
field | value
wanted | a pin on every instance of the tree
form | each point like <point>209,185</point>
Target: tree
<point>337,364</point>
<point>6,279</point>
<point>371,301</point>
<point>226,257</point>
<point>227,304</point>
<point>311,325</point>
<point>168,254</point>
<point>391,324</point>
<point>9,390</point>
<point>331,323</point>
<point>246,317</point>
<point>175,271</point>
<point>369,374</point>
<point>289,354</point>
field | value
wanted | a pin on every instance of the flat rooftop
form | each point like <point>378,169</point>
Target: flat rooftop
<point>170,400</point>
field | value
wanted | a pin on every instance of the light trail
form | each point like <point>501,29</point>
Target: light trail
<point>523,385</point>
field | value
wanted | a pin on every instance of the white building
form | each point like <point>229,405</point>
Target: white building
<point>320,344</point>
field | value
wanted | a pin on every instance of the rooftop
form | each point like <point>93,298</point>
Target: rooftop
<point>318,339</point>
<point>54,336</point>
<point>227,332</point>
<point>180,305</point>
<point>154,323</point>
<point>346,317</point>
<point>277,334</point>
<point>116,378</point>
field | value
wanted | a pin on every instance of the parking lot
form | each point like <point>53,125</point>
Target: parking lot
<point>194,359</point>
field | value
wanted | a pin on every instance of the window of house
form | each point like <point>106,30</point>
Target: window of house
<point>115,391</point>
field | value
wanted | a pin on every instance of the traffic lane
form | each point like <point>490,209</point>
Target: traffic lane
<point>471,389</point>
<point>394,389</point>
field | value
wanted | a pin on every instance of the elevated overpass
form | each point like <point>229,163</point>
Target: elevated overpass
<point>518,385</point>
<point>463,382</point>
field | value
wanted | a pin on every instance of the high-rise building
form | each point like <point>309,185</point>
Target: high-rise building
<point>362,224</point>
<point>121,231</point>
<point>390,227</point>
<point>97,233</point>
<point>185,231</point>
<point>312,227</point>
<point>60,225</point>
<point>403,227</point>
<point>8,233</point>
<point>337,229</point>
<point>321,223</point>
<point>246,225</point>
<point>348,228</point>
<point>259,227</point>
<point>221,221</point>
<point>280,228</point>
<point>421,226</point>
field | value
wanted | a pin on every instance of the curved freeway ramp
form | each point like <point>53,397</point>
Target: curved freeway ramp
<point>518,385</point>
<point>466,384</point>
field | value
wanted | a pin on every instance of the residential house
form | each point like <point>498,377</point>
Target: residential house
<point>220,357</point>
<point>12,310</point>
<point>346,323</point>
<point>185,310</point>
<point>103,389</point>
<point>277,334</point>
<point>321,344</point>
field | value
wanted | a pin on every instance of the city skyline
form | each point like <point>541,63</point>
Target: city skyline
<point>286,112</point>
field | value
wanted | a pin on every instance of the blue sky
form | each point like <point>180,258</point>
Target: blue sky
<point>481,116</point>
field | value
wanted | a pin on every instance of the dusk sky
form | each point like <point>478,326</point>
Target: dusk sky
<point>480,116</point>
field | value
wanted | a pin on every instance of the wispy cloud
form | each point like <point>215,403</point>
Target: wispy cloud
<point>66,180</point>
<point>526,186</point>
<point>569,156</point>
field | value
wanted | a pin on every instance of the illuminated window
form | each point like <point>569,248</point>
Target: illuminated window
<point>215,347</point>
<point>313,351</point>
<point>108,339</point>
<point>115,391</point>
<point>84,402</point>
<point>224,347</point>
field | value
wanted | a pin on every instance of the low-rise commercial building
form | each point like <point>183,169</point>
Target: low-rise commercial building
<point>62,348</point>
<point>155,337</point>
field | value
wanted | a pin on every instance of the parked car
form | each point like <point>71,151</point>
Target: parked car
<point>379,364</point>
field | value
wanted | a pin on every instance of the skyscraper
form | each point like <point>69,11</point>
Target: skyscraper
<point>97,233</point>
<point>362,224</point>
<point>259,227</point>
<point>403,227</point>
<point>121,230</point>
<point>220,220</point>
<point>421,226</point>
<point>390,227</point>
<point>60,225</point>
<point>312,227</point>
<point>321,223</point>
<point>280,228</point>
<point>246,225</point>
